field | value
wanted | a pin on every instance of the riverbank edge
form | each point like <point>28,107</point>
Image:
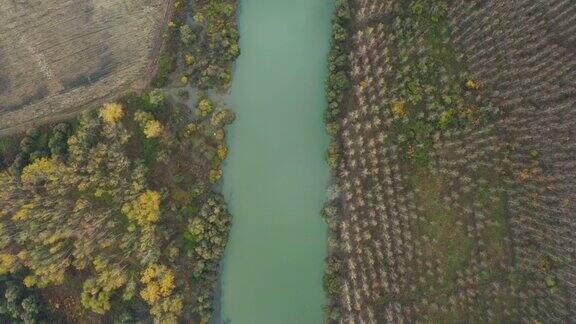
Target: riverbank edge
<point>221,97</point>
<point>337,96</point>
<point>216,94</point>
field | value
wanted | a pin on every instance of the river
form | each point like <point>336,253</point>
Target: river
<point>275,175</point>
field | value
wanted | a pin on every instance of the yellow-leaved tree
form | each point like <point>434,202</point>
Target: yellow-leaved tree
<point>222,151</point>
<point>111,113</point>
<point>158,292</point>
<point>145,210</point>
<point>398,110</point>
<point>41,168</point>
<point>204,108</point>
<point>7,263</point>
<point>96,291</point>
<point>152,129</point>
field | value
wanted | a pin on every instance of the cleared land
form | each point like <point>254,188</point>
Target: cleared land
<point>58,56</point>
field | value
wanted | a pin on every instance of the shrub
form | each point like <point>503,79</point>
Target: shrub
<point>189,59</point>
<point>332,285</point>
<point>398,110</point>
<point>214,175</point>
<point>333,155</point>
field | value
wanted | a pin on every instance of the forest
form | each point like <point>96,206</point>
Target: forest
<point>447,204</point>
<point>115,215</point>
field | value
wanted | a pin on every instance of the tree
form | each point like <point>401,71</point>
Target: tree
<point>214,175</point>
<point>152,129</point>
<point>398,109</point>
<point>94,297</point>
<point>31,148</point>
<point>18,304</point>
<point>333,155</point>
<point>156,97</point>
<point>58,140</point>
<point>189,59</point>
<point>223,117</point>
<point>186,35</point>
<point>145,209</point>
<point>111,113</point>
<point>210,230</point>
<point>159,283</point>
<point>222,151</point>
<point>7,263</point>
<point>204,108</point>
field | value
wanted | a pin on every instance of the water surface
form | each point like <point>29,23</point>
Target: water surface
<point>275,175</point>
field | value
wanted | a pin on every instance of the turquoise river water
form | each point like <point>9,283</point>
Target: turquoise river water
<point>275,175</point>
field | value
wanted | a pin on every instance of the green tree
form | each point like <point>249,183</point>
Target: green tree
<point>58,141</point>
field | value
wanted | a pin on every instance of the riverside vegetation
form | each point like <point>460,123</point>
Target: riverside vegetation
<point>114,216</point>
<point>434,213</point>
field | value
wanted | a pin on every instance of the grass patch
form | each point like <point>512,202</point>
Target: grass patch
<point>6,144</point>
<point>453,244</point>
<point>190,241</point>
<point>150,149</point>
<point>495,235</point>
<point>161,78</point>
